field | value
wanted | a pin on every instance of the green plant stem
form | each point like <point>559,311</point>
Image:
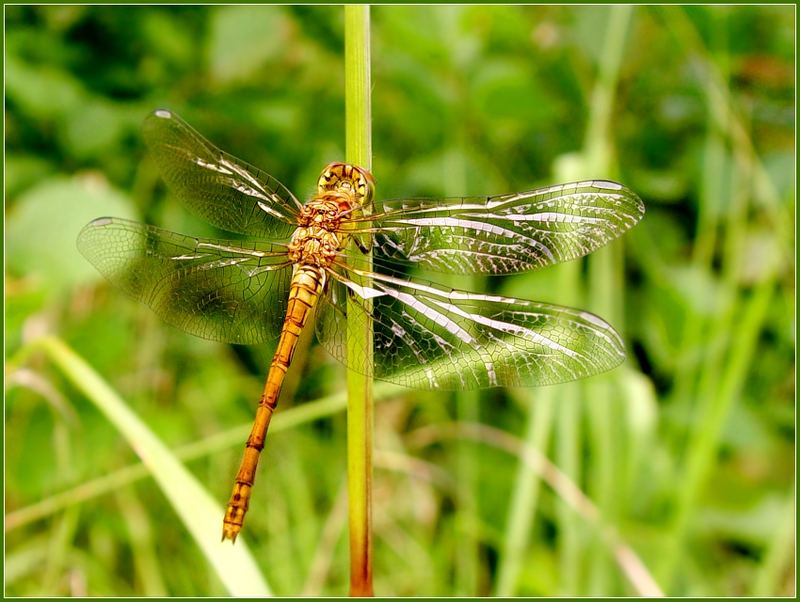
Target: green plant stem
<point>229,439</point>
<point>466,574</point>
<point>779,556</point>
<point>567,491</point>
<point>704,444</point>
<point>605,285</point>
<point>568,458</point>
<point>711,191</point>
<point>234,565</point>
<point>359,331</point>
<point>525,496</point>
<point>148,569</point>
<point>568,414</point>
<point>722,375</point>
<point>548,407</point>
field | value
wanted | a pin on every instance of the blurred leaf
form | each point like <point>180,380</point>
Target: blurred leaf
<point>759,256</point>
<point>23,171</point>
<point>64,17</point>
<point>26,559</point>
<point>242,40</point>
<point>780,166</point>
<point>662,185</point>
<point>427,174</point>
<point>93,129</point>
<point>698,290</point>
<point>505,29</point>
<point>588,31</point>
<point>23,299</point>
<point>750,523</point>
<point>641,407</point>
<point>658,324</point>
<point>503,89</point>
<point>44,93</point>
<point>539,285</point>
<point>168,38</point>
<point>43,227</point>
<point>542,580</point>
<point>279,115</point>
<point>419,28</point>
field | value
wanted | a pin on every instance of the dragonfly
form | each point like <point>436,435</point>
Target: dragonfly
<point>293,259</point>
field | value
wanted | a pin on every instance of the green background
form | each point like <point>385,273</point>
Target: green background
<point>686,453</point>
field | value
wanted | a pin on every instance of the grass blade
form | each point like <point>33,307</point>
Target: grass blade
<point>234,565</point>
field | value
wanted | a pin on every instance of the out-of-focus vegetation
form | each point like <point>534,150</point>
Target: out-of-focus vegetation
<point>685,453</point>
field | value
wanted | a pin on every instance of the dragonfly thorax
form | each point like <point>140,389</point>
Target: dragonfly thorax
<point>325,211</point>
<point>317,239</point>
<point>313,245</point>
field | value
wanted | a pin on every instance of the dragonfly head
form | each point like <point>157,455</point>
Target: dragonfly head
<point>348,179</point>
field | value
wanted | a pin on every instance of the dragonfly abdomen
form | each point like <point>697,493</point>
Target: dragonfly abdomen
<point>307,284</point>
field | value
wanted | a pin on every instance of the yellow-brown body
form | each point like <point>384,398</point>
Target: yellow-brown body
<point>319,237</point>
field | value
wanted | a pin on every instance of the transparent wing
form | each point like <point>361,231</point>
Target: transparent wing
<point>220,188</point>
<point>506,233</point>
<point>430,337</point>
<point>220,290</point>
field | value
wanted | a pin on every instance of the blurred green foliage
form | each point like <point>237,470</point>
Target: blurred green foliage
<point>466,100</point>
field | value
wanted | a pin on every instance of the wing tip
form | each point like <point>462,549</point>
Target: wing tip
<point>615,350</point>
<point>615,188</point>
<point>88,229</point>
<point>99,222</point>
<point>607,184</point>
<point>163,114</point>
<point>158,121</point>
<point>634,199</point>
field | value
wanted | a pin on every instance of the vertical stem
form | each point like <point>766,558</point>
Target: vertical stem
<point>525,495</point>
<point>465,580</point>
<point>567,421</point>
<point>466,556</point>
<point>359,332</point>
<point>778,557</point>
<point>605,284</point>
<point>723,372</point>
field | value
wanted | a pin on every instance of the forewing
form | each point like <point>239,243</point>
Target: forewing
<point>219,290</point>
<point>506,233</point>
<point>224,190</point>
<point>430,337</point>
